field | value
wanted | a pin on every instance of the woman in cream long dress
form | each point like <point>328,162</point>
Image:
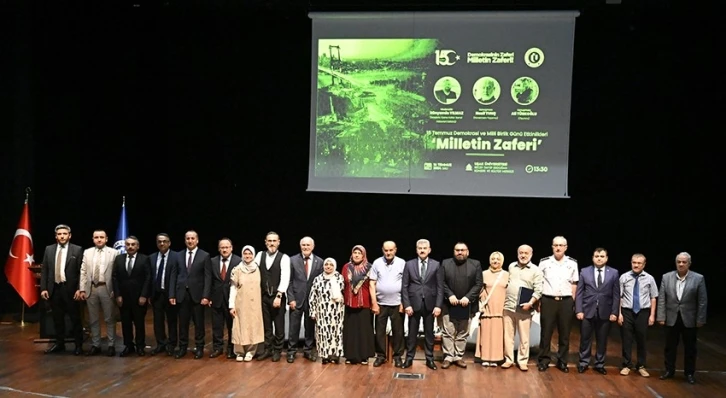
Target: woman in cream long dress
<point>245,303</point>
<point>490,341</point>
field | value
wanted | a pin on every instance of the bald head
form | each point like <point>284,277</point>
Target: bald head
<point>389,250</point>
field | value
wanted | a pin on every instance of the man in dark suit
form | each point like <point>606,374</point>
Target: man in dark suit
<point>304,267</point>
<point>597,304</point>
<point>131,282</point>
<point>60,278</point>
<point>164,269</point>
<point>422,294</point>
<point>462,284</point>
<point>193,290</point>
<point>222,266</point>
<point>682,304</point>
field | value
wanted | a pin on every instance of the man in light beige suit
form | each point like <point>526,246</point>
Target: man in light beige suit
<point>95,287</point>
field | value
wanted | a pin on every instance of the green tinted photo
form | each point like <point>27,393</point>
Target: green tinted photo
<point>372,106</point>
<point>525,91</point>
<point>486,90</point>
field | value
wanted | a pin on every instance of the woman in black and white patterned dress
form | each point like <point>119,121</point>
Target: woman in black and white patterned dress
<point>327,310</point>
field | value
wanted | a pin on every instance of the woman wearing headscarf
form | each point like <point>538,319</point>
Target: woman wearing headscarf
<point>358,321</point>
<point>490,340</point>
<point>327,309</point>
<point>245,305</point>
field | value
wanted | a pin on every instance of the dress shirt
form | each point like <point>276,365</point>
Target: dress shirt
<point>163,273</point>
<point>595,272</point>
<point>528,276</point>
<point>186,255</point>
<point>284,267</point>
<point>64,257</point>
<point>99,255</point>
<point>646,286</point>
<point>680,284</point>
<point>559,276</point>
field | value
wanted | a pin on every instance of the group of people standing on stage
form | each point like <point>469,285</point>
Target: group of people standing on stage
<point>248,296</point>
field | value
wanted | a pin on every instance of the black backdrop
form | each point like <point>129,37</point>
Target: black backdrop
<point>199,116</point>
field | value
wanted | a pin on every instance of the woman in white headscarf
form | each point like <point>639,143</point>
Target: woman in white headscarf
<point>327,310</point>
<point>245,305</point>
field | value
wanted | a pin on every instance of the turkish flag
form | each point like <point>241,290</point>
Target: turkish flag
<point>20,258</point>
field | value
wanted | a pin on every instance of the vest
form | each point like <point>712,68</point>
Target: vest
<point>270,278</point>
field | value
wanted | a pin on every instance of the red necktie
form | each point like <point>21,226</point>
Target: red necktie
<point>223,274</point>
<point>307,267</point>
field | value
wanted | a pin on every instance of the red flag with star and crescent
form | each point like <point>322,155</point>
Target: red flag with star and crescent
<point>20,258</point>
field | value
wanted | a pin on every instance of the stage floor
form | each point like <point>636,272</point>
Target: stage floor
<point>26,371</point>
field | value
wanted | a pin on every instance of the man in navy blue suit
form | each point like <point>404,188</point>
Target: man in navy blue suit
<point>422,295</point>
<point>597,303</point>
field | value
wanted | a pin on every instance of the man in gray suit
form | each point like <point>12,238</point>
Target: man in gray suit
<point>96,289</point>
<point>422,294</point>
<point>682,302</point>
<point>304,267</point>
<point>60,278</point>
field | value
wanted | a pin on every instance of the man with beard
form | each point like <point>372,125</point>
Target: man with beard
<point>462,284</point>
<point>275,278</point>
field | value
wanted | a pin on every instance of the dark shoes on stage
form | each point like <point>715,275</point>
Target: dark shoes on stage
<point>93,351</point>
<point>219,352</point>
<point>216,353</point>
<point>276,355</point>
<point>55,348</point>
<point>264,355</point>
<point>690,379</point>
<point>598,369</point>
<point>379,361</point>
<point>198,353</point>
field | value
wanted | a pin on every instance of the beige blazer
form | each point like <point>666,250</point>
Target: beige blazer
<point>87,268</point>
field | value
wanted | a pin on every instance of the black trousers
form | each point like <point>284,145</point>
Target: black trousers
<point>274,323</point>
<point>600,328</point>
<point>555,314</point>
<point>413,322</point>
<point>189,310</point>
<point>297,317</point>
<point>62,304</point>
<point>635,327</point>
<point>220,318</point>
<point>132,319</point>
<point>689,335</point>
<point>389,312</point>
<point>165,315</point>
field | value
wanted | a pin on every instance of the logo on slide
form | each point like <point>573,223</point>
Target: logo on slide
<point>446,57</point>
<point>534,57</point>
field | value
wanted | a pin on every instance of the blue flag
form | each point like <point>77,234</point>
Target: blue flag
<point>122,232</point>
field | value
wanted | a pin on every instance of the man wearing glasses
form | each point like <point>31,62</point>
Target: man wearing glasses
<point>164,270</point>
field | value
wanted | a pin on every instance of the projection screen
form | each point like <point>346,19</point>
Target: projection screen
<point>441,103</point>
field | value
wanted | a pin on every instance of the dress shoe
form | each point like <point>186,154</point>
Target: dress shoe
<point>290,357</point>
<point>198,353</point>
<point>311,356</point>
<point>542,367</point>
<point>667,375</point>
<point>397,362</point>
<point>690,379</point>
<point>407,364</point>
<point>125,351</point>
<point>446,365</point>
<point>159,348</point>
<point>563,367</point>
<point>460,363</point>
<point>111,351</point>
<point>263,356</point>
<point>600,370</point>
<point>231,355</point>
<point>581,369</point>
<point>379,361</point>
<point>55,348</point>
<point>181,353</point>
<point>93,351</point>
<point>430,364</point>
<point>276,356</point>
<point>140,352</point>
<point>78,351</point>
<point>215,353</point>
<point>334,360</point>
<point>170,351</point>
<point>325,361</point>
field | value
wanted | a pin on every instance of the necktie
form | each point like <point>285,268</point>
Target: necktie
<point>423,269</point>
<point>160,272</point>
<point>636,294</point>
<point>307,267</point>
<point>599,277</point>
<point>58,259</point>
<point>97,266</point>
<point>130,265</point>
<point>223,273</point>
<point>189,260</point>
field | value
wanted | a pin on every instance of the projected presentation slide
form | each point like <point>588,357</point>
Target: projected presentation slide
<point>441,103</point>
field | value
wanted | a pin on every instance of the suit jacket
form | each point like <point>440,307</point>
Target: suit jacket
<point>74,256</point>
<point>198,277</point>
<point>594,301</point>
<point>220,288</point>
<point>474,275</point>
<point>299,288</point>
<point>171,269</point>
<point>131,286</point>
<point>422,293</point>
<point>691,306</point>
<point>87,267</point>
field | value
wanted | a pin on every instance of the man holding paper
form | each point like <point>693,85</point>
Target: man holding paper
<point>523,291</point>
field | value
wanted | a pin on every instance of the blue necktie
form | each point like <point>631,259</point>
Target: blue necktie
<point>636,294</point>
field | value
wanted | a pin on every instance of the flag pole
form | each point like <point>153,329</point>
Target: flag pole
<point>22,302</point>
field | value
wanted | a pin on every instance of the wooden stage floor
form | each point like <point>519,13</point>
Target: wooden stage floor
<point>25,372</point>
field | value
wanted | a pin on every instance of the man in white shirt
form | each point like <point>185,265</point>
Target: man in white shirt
<point>275,278</point>
<point>386,278</point>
